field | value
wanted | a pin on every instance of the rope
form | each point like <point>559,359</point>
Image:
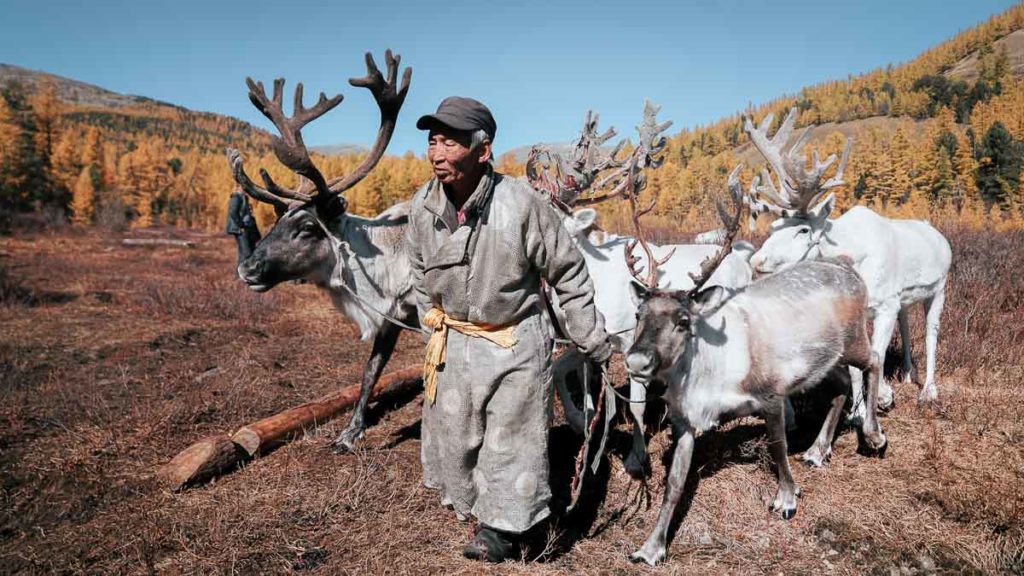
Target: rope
<point>370,307</point>
<point>581,456</point>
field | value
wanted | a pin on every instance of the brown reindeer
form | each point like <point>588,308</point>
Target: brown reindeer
<point>359,261</point>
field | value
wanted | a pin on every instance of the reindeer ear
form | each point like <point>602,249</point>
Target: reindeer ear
<point>819,213</point>
<point>637,292</point>
<point>584,219</point>
<point>335,206</point>
<point>708,299</point>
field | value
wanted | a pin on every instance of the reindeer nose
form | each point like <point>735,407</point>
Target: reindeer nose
<point>250,268</point>
<point>760,264</point>
<point>641,365</point>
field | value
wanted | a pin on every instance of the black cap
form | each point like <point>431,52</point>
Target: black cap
<point>462,114</point>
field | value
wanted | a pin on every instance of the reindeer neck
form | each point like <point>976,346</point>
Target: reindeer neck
<point>372,253</point>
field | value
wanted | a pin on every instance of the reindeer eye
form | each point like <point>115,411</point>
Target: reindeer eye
<point>308,227</point>
<point>803,231</point>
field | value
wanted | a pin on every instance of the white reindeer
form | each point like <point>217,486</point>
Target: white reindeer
<point>710,236</point>
<point>723,356</point>
<point>590,168</point>
<point>902,262</point>
<point>604,254</point>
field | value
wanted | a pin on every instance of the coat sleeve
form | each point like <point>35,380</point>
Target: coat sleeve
<point>550,249</point>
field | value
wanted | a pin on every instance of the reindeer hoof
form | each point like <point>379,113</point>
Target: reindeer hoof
<point>873,445</point>
<point>785,504</point>
<point>650,557</point>
<point>929,397</point>
<point>816,458</point>
<point>347,441</point>
<point>886,398</point>
<point>879,452</point>
<point>786,513</point>
<point>637,466</point>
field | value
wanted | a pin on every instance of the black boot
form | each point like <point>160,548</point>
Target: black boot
<point>490,545</point>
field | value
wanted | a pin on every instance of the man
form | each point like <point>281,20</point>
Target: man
<point>480,243</point>
<point>241,224</point>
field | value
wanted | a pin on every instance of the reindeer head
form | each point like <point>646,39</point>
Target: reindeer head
<point>797,200</point>
<point>303,242</point>
<point>667,319</point>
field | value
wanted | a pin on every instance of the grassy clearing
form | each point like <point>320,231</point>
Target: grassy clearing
<point>113,359</point>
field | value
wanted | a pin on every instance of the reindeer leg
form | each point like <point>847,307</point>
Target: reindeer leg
<point>653,550</point>
<point>885,322</point>
<point>933,307</point>
<point>774,419</point>
<point>383,346</point>
<point>856,415</point>
<point>819,452</point>
<point>637,461</point>
<point>909,369</point>
<point>871,430</point>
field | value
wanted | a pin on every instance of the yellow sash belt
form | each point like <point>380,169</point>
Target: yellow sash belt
<point>440,322</point>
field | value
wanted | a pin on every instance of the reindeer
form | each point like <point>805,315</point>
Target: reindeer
<point>710,236</point>
<point>724,355</point>
<point>902,262</point>
<point>587,169</point>
<point>359,261</point>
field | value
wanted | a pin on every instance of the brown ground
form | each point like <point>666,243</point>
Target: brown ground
<point>113,359</point>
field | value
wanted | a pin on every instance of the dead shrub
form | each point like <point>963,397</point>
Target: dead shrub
<point>207,297</point>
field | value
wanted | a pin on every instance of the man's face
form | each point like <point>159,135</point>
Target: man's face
<point>451,158</point>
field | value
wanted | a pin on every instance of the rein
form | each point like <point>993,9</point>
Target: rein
<point>363,301</point>
<point>605,402</point>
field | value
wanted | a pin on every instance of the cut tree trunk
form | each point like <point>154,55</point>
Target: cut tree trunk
<point>281,426</point>
<point>158,242</point>
<point>221,454</point>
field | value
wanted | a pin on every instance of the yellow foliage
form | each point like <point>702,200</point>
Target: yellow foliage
<point>83,198</point>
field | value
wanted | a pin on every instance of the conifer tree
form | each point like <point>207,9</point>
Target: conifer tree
<point>999,168</point>
<point>47,108</point>
<point>10,178</point>
<point>83,198</point>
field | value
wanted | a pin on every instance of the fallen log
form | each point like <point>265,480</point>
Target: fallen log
<point>218,455</point>
<point>158,242</point>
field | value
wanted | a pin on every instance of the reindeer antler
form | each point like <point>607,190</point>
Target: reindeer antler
<point>390,98</point>
<point>576,173</point>
<point>651,280</point>
<point>289,147</point>
<point>291,150</point>
<point>628,178</point>
<point>629,181</point>
<point>799,188</point>
<point>732,225</point>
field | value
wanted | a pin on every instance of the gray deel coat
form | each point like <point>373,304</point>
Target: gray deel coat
<point>489,270</point>
<point>484,439</point>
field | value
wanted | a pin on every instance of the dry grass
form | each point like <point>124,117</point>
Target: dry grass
<point>113,359</point>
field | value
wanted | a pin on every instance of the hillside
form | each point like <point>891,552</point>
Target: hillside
<point>968,69</point>
<point>127,118</point>
<point>938,137</point>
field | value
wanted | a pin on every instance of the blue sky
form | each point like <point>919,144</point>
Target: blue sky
<point>538,65</point>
